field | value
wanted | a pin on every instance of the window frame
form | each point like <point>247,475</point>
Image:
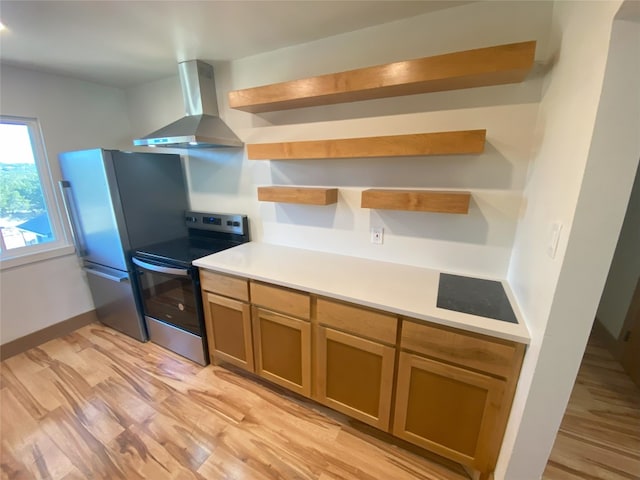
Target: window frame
<point>60,245</point>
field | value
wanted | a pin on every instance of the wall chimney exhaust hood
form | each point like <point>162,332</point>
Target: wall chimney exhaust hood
<point>201,127</point>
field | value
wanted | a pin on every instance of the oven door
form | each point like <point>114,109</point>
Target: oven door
<point>169,294</point>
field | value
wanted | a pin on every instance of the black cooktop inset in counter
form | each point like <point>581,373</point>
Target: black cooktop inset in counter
<point>475,296</point>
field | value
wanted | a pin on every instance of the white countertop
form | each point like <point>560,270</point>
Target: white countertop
<point>401,289</point>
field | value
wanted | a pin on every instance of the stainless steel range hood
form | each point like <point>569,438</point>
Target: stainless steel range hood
<point>201,127</point>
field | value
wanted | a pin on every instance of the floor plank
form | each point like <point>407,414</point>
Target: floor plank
<point>97,404</point>
<point>599,438</point>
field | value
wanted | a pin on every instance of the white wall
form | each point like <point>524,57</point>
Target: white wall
<point>73,114</point>
<point>224,180</point>
<point>625,268</point>
<point>581,176</point>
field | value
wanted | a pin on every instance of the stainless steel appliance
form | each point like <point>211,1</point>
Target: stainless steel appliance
<point>116,202</point>
<point>201,127</point>
<point>170,284</point>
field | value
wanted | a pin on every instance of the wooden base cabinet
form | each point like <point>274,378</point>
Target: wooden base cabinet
<point>448,410</point>
<point>355,376</point>
<point>283,350</point>
<point>229,330</point>
<point>448,391</point>
<point>454,391</point>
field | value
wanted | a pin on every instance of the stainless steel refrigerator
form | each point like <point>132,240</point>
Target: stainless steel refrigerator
<point>117,202</point>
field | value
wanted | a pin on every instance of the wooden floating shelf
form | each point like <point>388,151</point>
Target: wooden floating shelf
<point>303,195</point>
<point>480,67</point>
<point>439,143</point>
<point>417,200</point>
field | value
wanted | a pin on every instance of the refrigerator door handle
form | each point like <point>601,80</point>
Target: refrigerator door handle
<point>72,217</point>
<point>182,272</point>
<point>116,278</point>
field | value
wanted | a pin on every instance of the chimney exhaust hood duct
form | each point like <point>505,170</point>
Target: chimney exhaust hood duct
<point>201,127</point>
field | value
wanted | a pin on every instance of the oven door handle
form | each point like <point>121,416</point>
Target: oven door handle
<point>182,272</point>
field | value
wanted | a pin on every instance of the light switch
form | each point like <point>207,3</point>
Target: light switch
<point>554,238</point>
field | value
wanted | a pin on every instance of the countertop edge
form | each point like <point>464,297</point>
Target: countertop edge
<point>472,323</point>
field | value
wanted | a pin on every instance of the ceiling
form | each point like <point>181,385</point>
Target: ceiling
<point>126,43</point>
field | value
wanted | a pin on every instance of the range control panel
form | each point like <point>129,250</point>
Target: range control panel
<point>218,222</point>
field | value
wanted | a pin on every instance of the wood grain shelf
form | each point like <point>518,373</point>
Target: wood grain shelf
<point>480,67</point>
<point>417,200</point>
<point>439,143</point>
<point>303,195</point>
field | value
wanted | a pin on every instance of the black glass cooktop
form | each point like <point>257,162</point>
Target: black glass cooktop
<point>183,251</point>
<point>475,296</point>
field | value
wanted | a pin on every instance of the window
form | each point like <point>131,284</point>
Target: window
<point>30,227</point>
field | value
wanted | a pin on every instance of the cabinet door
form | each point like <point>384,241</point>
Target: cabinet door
<point>448,410</point>
<point>228,330</point>
<point>355,376</point>
<point>283,350</point>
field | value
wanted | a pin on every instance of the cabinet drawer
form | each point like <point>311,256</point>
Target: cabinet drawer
<point>357,320</point>
<point>281,299</point>
<point>468,349</point>
<point>224,285</point>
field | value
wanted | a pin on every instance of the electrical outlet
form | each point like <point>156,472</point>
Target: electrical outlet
<point>377,235</point>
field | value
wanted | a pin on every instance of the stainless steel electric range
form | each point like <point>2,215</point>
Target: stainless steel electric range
<point>169,285</point>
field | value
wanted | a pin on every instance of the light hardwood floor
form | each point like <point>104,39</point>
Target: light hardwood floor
<point>599,437</point>
<point>95,404</point>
